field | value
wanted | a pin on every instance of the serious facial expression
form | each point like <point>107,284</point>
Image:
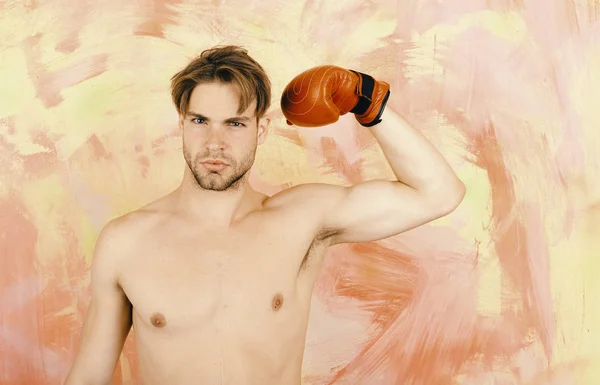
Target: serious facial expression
<point>219,143</point>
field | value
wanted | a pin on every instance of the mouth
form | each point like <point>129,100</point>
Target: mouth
<point>214,165</point>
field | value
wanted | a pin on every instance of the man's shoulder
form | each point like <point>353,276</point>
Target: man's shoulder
<point>125,229</point>
<point>309,204</point>
<point>305,196</point>
<point>121,238</point>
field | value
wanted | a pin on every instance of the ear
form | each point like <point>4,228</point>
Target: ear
<point>263,129</point>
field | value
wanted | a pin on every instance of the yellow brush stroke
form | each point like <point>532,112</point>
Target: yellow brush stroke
<point>430,45</point>
<point>46,207</point>
<point>577,263</point>
<point>575,269</point>
<point>281,161</point>
<point>15,83</point>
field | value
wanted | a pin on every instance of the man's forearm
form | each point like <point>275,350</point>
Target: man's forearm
<point>414,159</point>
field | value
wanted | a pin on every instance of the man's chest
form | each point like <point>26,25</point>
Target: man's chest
<point>223,281</point>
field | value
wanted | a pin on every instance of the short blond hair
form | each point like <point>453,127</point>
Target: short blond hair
<point>227,64</point>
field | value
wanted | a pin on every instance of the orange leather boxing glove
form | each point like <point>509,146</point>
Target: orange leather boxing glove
<point>319,96</point>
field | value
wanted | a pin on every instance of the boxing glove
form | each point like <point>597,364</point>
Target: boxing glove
<point>320,95</point>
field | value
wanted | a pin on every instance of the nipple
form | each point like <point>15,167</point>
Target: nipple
<point>158,320</point>
<point>277,302</point>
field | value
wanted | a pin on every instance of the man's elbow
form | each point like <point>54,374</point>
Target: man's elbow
<point>450,197</point>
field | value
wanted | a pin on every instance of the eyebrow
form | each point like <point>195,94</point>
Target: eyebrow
<point>228,120</point>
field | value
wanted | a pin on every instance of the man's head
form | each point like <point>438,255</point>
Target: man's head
<point>222,97</point>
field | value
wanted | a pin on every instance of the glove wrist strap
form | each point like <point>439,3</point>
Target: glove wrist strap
<point>364,89</point>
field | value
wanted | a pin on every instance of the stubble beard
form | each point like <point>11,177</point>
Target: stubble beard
<point>215,181</point>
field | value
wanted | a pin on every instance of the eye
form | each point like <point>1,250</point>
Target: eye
<point>237,124</point>
<point>198,120</point>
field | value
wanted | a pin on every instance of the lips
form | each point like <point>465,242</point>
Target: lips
<point>214,164</point>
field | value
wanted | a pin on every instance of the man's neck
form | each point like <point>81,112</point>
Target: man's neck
<point>217,208</point>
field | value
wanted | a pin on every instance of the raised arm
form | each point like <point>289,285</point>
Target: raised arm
<point>426,187</point>
<point>108,319</point>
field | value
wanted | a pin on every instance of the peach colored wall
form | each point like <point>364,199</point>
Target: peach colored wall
<point>503,291</point>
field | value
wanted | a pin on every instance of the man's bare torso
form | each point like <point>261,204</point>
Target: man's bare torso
<point>221,307</point>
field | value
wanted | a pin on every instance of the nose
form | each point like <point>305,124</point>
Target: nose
<point>215,140</point>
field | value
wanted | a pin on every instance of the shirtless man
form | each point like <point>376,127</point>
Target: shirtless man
<point>216,278</point>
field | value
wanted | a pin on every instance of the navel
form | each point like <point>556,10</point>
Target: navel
<point>277,302</point>
<point>158,320</point>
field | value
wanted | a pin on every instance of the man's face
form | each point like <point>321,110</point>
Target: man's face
<point>219,145</point>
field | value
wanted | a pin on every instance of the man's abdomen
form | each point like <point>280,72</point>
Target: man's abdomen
<point>223,360</point>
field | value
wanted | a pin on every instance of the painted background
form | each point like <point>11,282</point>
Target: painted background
<point>504,291</point>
